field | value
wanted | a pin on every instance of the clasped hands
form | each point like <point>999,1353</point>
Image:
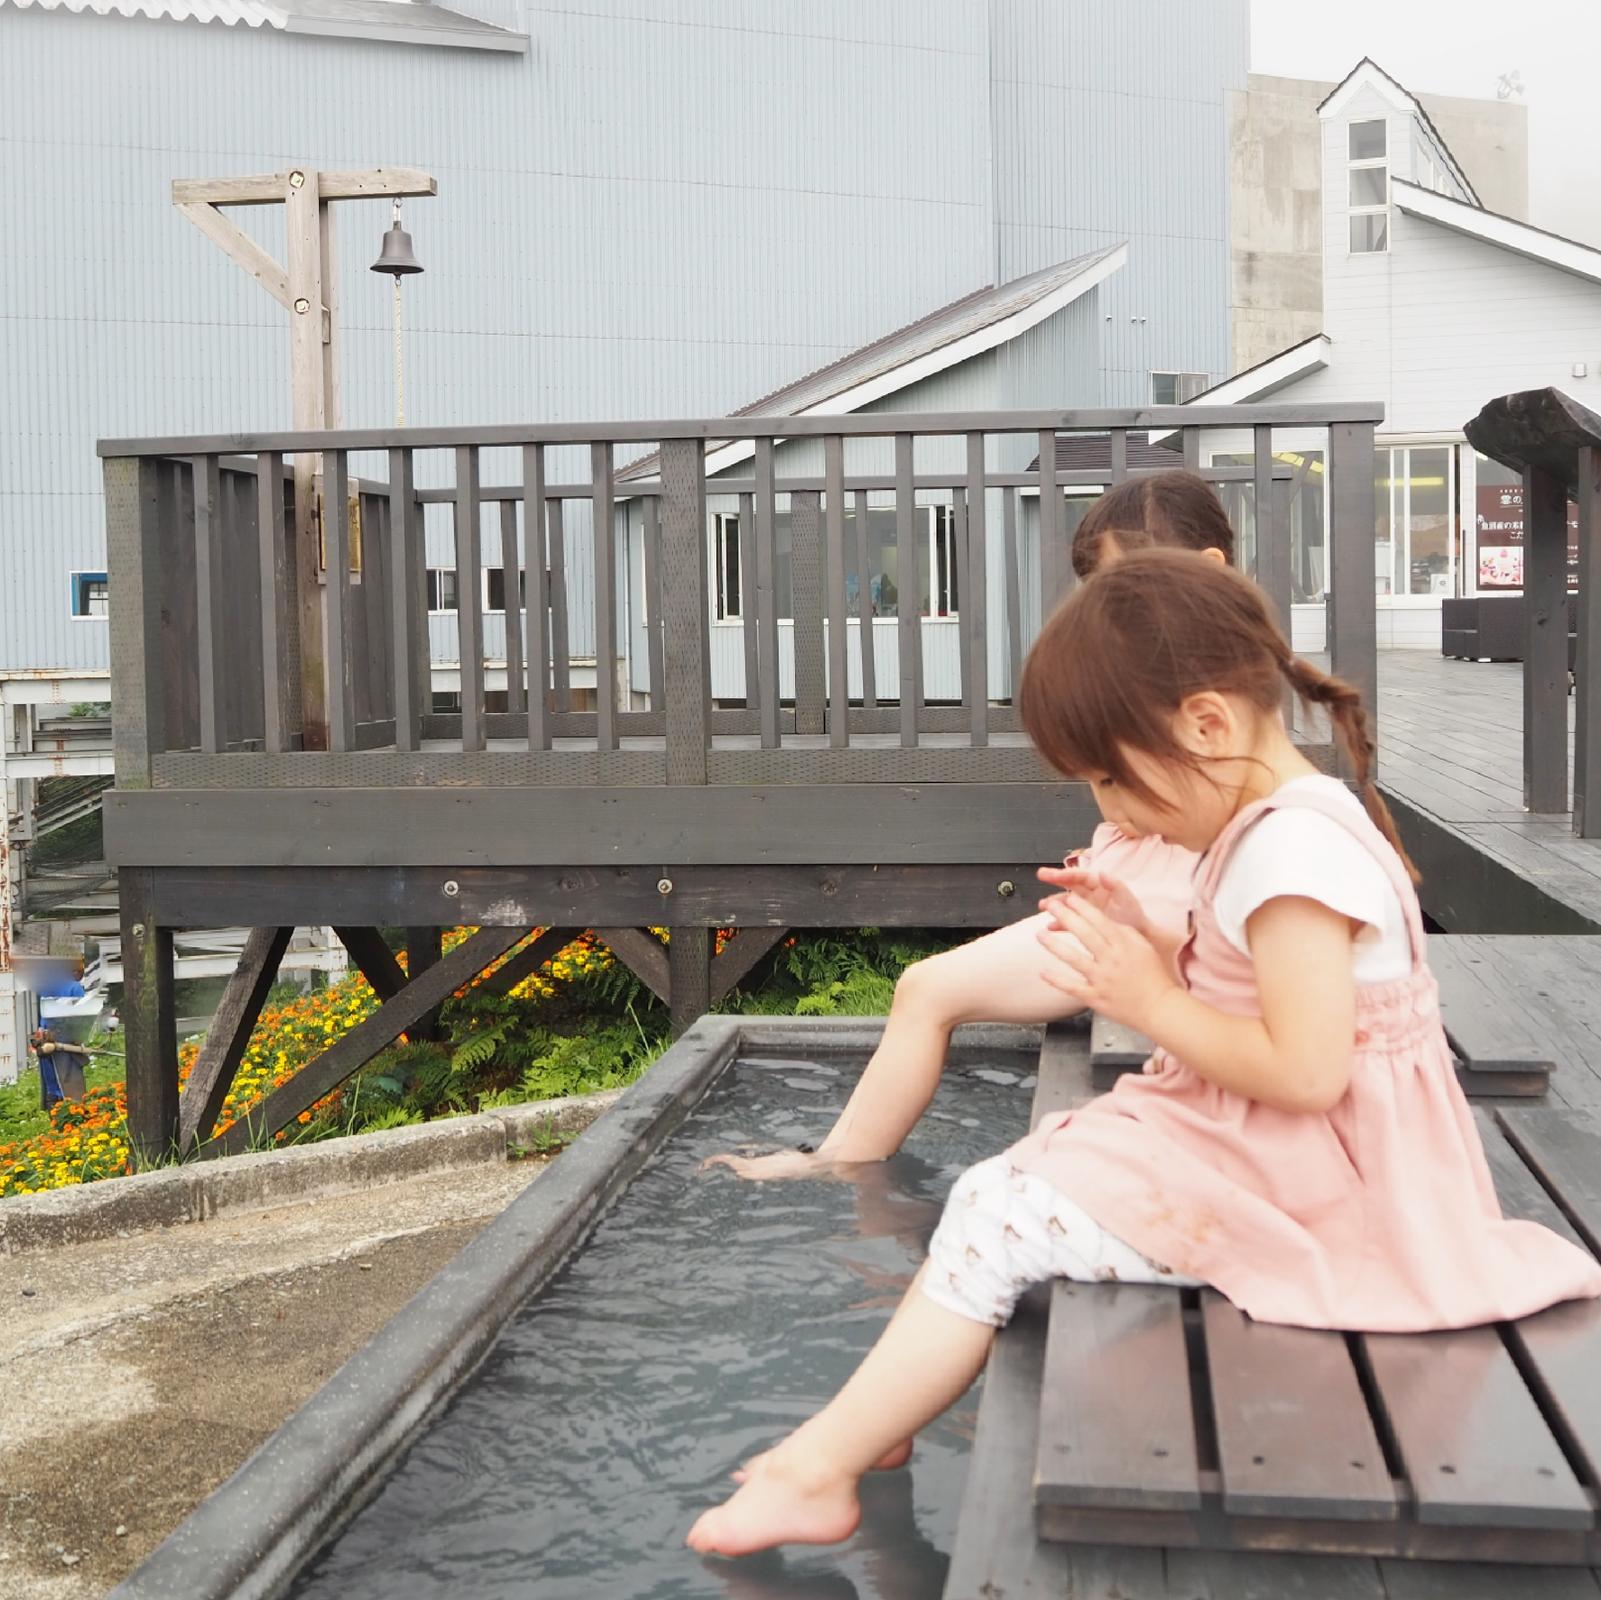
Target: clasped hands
<point>1102,949</point>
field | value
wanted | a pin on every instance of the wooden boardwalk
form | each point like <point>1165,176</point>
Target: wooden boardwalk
<point>1451,763</point>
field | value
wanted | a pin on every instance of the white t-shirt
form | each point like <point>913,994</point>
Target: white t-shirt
<point>1300,852</point>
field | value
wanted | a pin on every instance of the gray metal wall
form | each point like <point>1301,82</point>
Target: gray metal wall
<point>660,209</point>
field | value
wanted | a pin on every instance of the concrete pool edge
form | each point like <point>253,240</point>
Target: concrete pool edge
<point>253,1535</point>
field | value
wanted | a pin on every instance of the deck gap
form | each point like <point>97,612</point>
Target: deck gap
<point>1550,1411</point>
<point>1379,1414</point>
<point>1580,1226</point>
<point>1208,1459</point>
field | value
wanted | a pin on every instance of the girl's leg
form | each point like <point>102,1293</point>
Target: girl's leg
<point>804,1490</point>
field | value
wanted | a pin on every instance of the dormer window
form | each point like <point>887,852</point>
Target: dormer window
<point>1369,179</point>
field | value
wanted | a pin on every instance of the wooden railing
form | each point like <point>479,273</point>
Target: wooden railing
<point>233,667</point>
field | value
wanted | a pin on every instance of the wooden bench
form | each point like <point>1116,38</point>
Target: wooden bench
<point>1154,1444</point>
<point>1500,1053</point>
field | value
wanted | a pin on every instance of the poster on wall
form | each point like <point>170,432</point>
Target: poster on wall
<point>1500,522</point>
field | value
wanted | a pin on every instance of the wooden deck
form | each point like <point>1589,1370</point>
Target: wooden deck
<point>1451,763</point>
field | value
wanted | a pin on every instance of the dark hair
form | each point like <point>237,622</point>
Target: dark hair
<point>1174,509</point>
<point>1113,664</point>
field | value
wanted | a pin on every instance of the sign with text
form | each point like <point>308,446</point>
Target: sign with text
<point>1499,514</point>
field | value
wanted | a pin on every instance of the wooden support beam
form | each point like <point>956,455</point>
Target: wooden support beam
<point>529,960</point>
<point>424,946</point>
<point>367,1038</point>
<point>263,188</point>
<point>739,956</point>
<point>149,1022</point>
<point>227,1037</point>
<point>239,248</point>
<point>375,960</point>
<point>1587,662</point>
<point>1545,651</point>
<point>643,954</point>
<point>689,964</point>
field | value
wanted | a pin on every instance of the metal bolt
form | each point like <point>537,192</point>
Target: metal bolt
<point>664,886</point>
<point>138,930</point>
<point>452,888</point>
<point>302,305</point>
<point>1006,888</point>
<point>297,180</point>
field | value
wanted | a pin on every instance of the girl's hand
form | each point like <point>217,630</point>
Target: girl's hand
<point>1105,964</point>
<point>780,1164</point>
<point>1109,894</point>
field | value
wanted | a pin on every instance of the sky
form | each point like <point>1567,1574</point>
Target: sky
<point>1462,47</point>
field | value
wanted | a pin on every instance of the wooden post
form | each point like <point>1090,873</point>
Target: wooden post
<point>424,946</point>
<point>149,1022</point>
<point>1545,654</point>
<point>1587,665</point>
<point>806,587</point>
<point>1353,607</point>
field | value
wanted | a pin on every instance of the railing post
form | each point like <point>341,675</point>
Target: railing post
<point>469,598</point>
<point>806,569</point>
<point>685,646</point>
<point>1587,665</point>
<point>280,654</point>
<point>1353,608</point>
<point>405,551</point>
<point>133,565</point>
<point>1545,655</point>
<point>149,1021</point>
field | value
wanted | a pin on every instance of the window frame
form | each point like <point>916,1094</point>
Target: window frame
<point>433,591</point>
<point>80,583</point>
<point>1356,213</point>
<point>1200,382</point>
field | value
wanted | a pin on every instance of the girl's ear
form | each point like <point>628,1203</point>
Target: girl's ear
<point>1205,724</point>
<point>1212,553</point>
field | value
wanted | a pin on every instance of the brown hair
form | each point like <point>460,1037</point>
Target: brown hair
<point>1176,509</point>
<point>1125,651</point>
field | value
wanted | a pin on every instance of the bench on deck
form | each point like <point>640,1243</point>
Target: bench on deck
<point>1142,1441</point>
<point>1499,1054</point>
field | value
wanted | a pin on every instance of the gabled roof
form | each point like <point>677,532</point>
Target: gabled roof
<point>1367,73</point>
<point>955,333</point>
<point>397,21</point>
<point>1266,377</point>
<point>1567,255</point>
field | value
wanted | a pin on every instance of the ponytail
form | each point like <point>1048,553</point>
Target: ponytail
<point>1350,720</point>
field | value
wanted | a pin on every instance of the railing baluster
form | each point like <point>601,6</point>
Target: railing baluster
<point>806,599</point>
<point>1545,653</point>
<point>336,554</point>
<point>511,583</point>
<point>469,598</point>
<point>211,604</point>
<point>685,610</point>
<point>766,595</point>
<point>749,604</point>
<point>1052,559</point>
<point>1119,454</point>
<point>839,697</point>
<point>1353,632</point>
<point>1014,589</point>
<point>604,520</point>
<point>538,603</point>
<point>652,538</point>
<point>404,549</point>
<point>273,558</point>
<point>1587,660</point>
<point>864,603</point>
<point>908,610</point>
<point>955,559</point>
<point>974,598</point>
<point>1192,448</point>
<point>560,660</point>
<point>1272,533</point>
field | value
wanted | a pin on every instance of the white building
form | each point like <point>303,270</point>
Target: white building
<point>1433,305</point>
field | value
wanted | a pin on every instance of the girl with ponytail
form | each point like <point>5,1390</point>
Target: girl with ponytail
<point>1298,1141</point>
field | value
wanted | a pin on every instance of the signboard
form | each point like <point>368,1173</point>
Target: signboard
<point>1499,516</point>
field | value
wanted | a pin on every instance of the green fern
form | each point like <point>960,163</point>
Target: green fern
<point>478,1051</point>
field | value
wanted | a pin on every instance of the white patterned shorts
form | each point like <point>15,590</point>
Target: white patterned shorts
<point>1004,1229</point>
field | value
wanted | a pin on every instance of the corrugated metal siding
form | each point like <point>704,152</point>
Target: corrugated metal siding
<point>666,207</point>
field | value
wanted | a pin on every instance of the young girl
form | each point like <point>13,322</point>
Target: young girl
<point>1298,1140</point>
<point>997,978</point>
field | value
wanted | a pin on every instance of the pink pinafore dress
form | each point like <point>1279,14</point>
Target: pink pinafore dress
<point>1378,1215</point>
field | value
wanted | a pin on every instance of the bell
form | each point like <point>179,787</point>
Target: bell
<point>396,257</point>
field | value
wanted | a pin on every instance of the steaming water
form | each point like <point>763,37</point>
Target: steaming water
<point>704,1319</point>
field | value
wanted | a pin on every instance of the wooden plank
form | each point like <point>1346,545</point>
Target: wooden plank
<point>1055,566</point>
<point>1587,653</point>
<point>211,607</point>
<point>336,591</point>
<point>406,641</point>
<point>603,510</point>
<point>766,597</point>
<point>739,955</point>
<point>1564,1153</point>
<point>908,628</point>
<point>511,583</point>
<point>324,1074</point>
<point>1485,1033</point>
<point>864,603</point>
<point>469,599</point>
<point>1476,1451</point>
<point>560,653</point>
<point>974,599</point>
<point>538,602</point>
<point>375,960</point>
<point>1118,446</point>
<point>839,732</point>
<point>149,1021</point>
<point>806,629</point>
<point>1458,1580</point>
<point>749,603</point>
<point>277,604</point>
<point>228,1034</point>
<point>1252,1575</point>
<point>1191,438</point>
<point>956,555</point>
<point>1116,1427</point>
<point>1545,650</point>
<point>642,953</point>
<point>1115,1049</point>
<point>652,540</point>
<point>1294,1437</point>
<point>524,963</point>
<point>264,187</point>
<point>687,670</point>
<point>1014,592</point>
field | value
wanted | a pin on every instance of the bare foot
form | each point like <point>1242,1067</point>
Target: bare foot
<point>777,1504</point>
<point>891,1461</point>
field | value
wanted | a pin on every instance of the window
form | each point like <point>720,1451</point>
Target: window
<point>1414,500</point>
<point>446,702</point>
<point>725,572</point>
<point>1369,180</point>
<point>441,588</point>
<point>495,589</point>
<point>1174,388</point>
<point>90,595</point>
